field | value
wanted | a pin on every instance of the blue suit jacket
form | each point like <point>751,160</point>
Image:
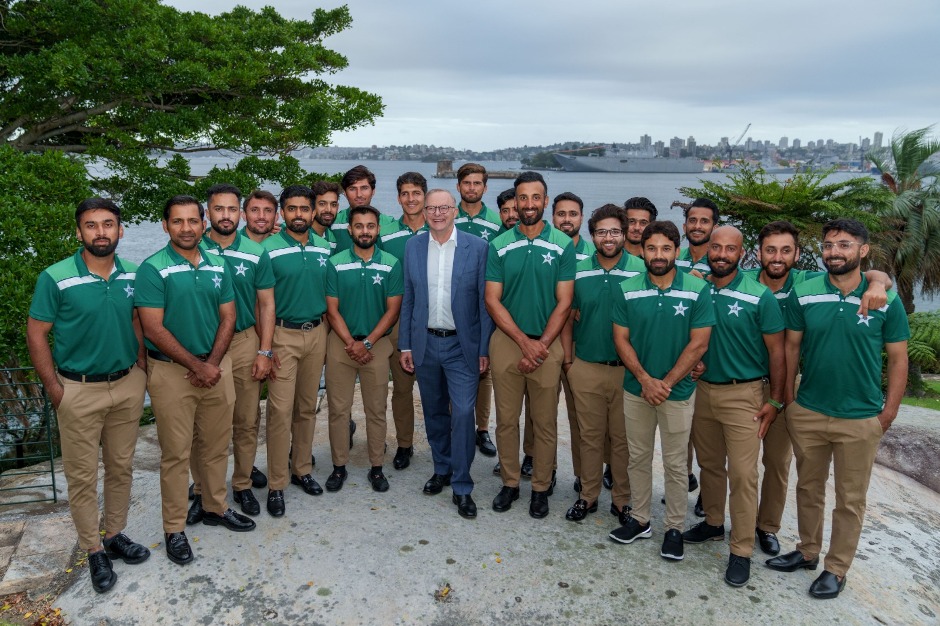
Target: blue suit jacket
<point>471,319</point>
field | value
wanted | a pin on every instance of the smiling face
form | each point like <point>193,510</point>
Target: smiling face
<point>660,254</point>
<point>725,249</point>
<point>567,217</point>
<point>637,220</point>
<point>184,226</point>
<point>842,252</point>
<point>223,213</point>
<point>411,199</point>
<point>325,208</point>
<point>471,188</point>
<point>531,200</point>
<point>608,237</point>
<point>259,216</point>
<point>359,193</point>
<point>508,215</point>
<point>298,214</point>
<point>778,255</point>
<point>99,231</point>
<point>698,225</point>
<point>440,212</point>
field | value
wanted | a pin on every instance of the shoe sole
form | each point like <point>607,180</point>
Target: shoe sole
<point>212,522</point>
<point>671,557</point>
<point>789,570</point>
<point>335,489</point>
<point>178,560</point>
<point>643,535</point>
<point>507,507</point>
<point>276,514</point>
<point>309,493</point>
<point>695,542</point>
<point>733,584</point>
<point>114,556</point>
<point>107,587</point>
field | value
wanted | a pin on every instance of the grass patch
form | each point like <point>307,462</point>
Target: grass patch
<point>931,399</point>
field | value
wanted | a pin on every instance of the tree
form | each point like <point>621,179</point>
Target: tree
<point>907,243</point>
<point>122,84</point>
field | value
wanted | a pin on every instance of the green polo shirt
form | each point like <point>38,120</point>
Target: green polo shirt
<point>189,296</point>
<point>794,278</point>
<point>362,287</point>
<point>485,224</point>
<point>685,263</point>
<point>660,323</point>
<point>745,311</point>
<point>340,229</point>
<point>394,236</point>
<point>583,249</point>
<point>250,269</point>
<point>529,270</point>
<point>92,318</point>
<point>299,275</point>
<point>841,349</point>
<point>594,291</point>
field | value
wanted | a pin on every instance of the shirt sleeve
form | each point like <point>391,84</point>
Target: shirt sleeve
<point>569,263</point>
<point>46,299</point>
<point>619,310</point>
<point>494,265</point>
<point>396,281</point>
<point>771,319</point>
<point>794,313</point>
<point>149,288</point>
<point>332,286</point>
<point>264,273</point>
<point>896,326</point>
<point>703,313</point>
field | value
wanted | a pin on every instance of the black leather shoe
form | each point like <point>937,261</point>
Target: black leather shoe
<point>577,484</point>
<point>195,514</point>
<point>702,532</point>
<point>624,514</point>
<point>403,457</point>
<point>121,547</point>
<point>307,483</point>
<point>177,548</point>
<point>436,484</point>
<point>246,498</point>
<point>791,561</point>
<point>580,509</point>
<point>101,570</point>
<point>258,479</point>
<point>276,502</point>
<point>699,510</point>
<point>538,506</point>
<point>377,480</point>
<point>526,469</point>
<point>236,522</point>
<point>608,478</point>
<point>497,469</point>
<point>551,485</point>
<point>827,586</point>
<point>739,570</point>
<point>334,482</point>
<point>504,499</point>
<point>693,483</point>
<point>352,431</point>
<point>768,542</point>
<point>466,507</point>
<point>485,444</point>
<point>192,490</point>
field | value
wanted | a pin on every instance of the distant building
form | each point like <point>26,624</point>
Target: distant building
<point>784,143</point>
<point>675,145</point>
<point>645,142</point>
<point>659,146</point>
<point>811,145</point>
<point>796,144</point>
<point>691,145</point>
<point>866,143</point>
<point>749,145</point>
<point>820,144</point>
<point>829,143</point>
<point>879,137</point>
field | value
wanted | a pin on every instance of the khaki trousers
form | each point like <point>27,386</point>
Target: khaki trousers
<point>572,425</point>
<point>850,446</point>
<point>777,453</point>
<point>185,412</point>
<point>341,374</point>
<point>725,436</point>
<point>598,397</point>
<point>243,350</point>
<point>292,402</point>
<point>107,414</point>
<point>484,397</point>
<point>510,386</point>
<point>403,403</point>
<point>674,420</point>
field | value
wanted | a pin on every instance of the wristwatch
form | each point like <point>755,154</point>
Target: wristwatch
<point>267,353</point>
<point>367,344</point>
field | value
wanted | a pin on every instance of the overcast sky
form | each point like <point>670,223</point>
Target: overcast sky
<point>489,74</point>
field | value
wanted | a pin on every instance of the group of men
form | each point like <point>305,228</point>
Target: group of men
<point>474,305</point>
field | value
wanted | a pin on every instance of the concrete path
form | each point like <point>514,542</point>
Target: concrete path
<point>357,557</point>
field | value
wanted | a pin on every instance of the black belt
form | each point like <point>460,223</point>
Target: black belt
<point>737,381</point>
<point>536,337</point>
<point>359,337</point>
<point>441,332</point>
<point>304,326</point>
<point>617,363</point>
<point>95,378</point>
<point>159,356</point>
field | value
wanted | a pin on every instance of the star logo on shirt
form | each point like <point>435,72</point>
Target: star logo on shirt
<point>485,235</point>
<point>240,269</point>
<point>863,319</point>
<point>734,309</point>
<point>217,280</point>
<point>681,309</point>
<point>377,279</point>
<point>322,260</point>
<point>129,290</point>
<point>547,257</point>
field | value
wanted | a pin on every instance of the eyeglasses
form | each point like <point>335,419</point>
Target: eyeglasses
<point>439,210</point>
<point>845,246</point>
<point>604,232</point>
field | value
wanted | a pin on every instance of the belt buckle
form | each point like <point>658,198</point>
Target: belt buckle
<point>307,326</point>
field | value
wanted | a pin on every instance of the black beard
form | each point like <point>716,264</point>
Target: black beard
<point>601,252</point>
<point>300,230</point>
<point>251,229</point>
<point>722,273</point>
<point>224,233</point>
<point>101,251</point>
<point>534,220</point>
<point>849,266</point>
<point>656,272</point>
<point>766,269</point>
<point>693,242</point>
<point>323,223</point>
<point>364,246</point>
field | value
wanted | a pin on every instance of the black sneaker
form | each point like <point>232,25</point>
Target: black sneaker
<point>526,468</point>
<point>739,570</point>
<point>334,482</point>
<point>693,483</point>
<point>258,479</point>
<point>630,531</point>
<point>672,545</point>
<point>120,546</point>
<point>702,532</point>
<point>101,570</point>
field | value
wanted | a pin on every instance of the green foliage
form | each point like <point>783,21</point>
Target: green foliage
<point>38,193</point>
<point>923,349</point>
<point>751,198</point>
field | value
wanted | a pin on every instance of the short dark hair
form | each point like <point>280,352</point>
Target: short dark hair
<point>222,188</point>
<point>91,204</point>
<point>260,194</point>
<point>644,204</point>
<point>529,177</point>
<point>182,200</point>
<point>664,228</point>
<point>322,187</point>
<point>504,197</point>
<point>847,226</point>
<point>605,212</point>
<point>365,209</point>
<point>567,195</point>
<point>412,178</point>
<point>702,203</point>
<point>360,172</point>
<point>472,168</point>
<point>780,227</point>
<point>296,191</point>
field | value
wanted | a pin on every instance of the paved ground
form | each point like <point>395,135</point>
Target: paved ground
<point>361,557</point>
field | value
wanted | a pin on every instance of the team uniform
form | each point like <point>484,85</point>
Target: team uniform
<point>339,229</point>
<point>685,263</point>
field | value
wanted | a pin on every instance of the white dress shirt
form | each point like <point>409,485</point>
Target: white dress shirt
<point>440,272</point>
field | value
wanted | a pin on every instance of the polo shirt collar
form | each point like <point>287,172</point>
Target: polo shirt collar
<point>620,265</point>
<point>678,282</point>
<point>83,267</point>
<point>402,225</point>
<point>290,240</point>
<point>734,282</point>
<point>544,235</point>
<point>180,259</point>
<point>857,292</point>
<point>236,243</point>
<point>462,213</point>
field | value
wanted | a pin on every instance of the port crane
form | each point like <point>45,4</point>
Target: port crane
<point>732,145</point>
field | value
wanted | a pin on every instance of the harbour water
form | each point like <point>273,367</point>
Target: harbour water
<point>595,189</point>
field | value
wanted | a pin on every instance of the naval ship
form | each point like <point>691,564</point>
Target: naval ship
<point>634,163</point>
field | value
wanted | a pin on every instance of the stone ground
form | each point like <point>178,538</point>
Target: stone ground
<point>360,557</point>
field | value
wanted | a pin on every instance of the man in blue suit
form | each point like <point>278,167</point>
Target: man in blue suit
<point>444,338</point>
